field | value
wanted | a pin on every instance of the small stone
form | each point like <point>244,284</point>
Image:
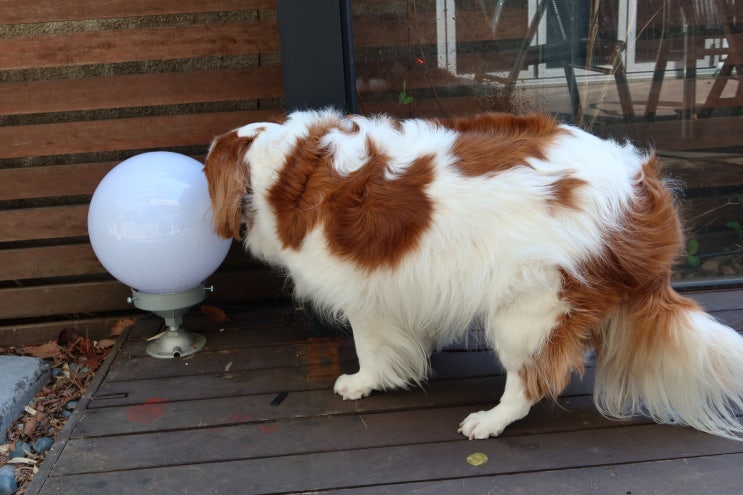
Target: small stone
<point>71,405</point>
<point>73,367</point>
<point>43,444</point>
<point>84,369</point>
<point>57,371</point>
<point>729,269</point>
<point>8,483</point>
<point>20,450</point>
<point>65,413</point>
<point>710,267</point>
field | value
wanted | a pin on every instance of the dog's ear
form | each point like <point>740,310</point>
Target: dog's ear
<point>228,176</point>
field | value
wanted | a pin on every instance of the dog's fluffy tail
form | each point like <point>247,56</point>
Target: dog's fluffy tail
<point>662,356</point>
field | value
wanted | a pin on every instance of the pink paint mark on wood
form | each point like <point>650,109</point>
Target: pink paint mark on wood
<point>269,429</point>
<point>147,413</point>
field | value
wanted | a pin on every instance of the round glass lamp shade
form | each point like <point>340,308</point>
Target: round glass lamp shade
<point>150,224</point>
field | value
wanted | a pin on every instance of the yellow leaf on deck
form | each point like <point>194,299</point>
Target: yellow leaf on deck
<point>477,459</point>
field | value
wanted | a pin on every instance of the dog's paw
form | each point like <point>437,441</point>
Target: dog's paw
<point>352,387</point>
<point>481,425</point>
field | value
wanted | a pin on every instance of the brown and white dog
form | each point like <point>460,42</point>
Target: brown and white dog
<point>551,239</point>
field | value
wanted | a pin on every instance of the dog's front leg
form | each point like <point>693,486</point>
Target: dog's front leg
<point>389,357</point>
<point>513,406</point>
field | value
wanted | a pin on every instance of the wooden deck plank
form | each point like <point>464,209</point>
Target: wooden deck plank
<point>350,431</point>
<point>723,300</point>
<point>687,476</point>
<point>319,376</point>
<point>213,421</point>
<point>406,463</point>
<point>257,408</point>
<point>316,351</point>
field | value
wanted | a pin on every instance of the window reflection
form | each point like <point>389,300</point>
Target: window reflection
<point>664,73</point>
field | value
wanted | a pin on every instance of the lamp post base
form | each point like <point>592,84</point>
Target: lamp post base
<point>174,342</point>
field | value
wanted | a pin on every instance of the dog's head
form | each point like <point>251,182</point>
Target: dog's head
<point>228,176</point>
<point>227,172</point>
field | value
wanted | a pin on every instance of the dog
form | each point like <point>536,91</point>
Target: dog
<point>552,240</point>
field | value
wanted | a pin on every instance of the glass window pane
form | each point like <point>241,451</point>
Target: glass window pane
<point>665,75</point>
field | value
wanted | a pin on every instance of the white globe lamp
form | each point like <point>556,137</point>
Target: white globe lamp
<point>150,226</point>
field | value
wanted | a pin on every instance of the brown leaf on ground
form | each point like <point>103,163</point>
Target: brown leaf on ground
<point>215,314</point>
<point>29,427</point>
<point>121,325</point>
<point>47,350</point>
<point>105,343</point>
<point>94,362</point>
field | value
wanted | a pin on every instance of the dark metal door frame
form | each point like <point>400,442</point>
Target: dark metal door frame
<point>317,54</point>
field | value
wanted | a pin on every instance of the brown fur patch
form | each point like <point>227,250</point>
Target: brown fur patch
<point>564,192</point>
<point>367,218</point>
<point>299,194</point>
<point>493,142</point>
<point>228,179</point>
<point>632,273</point>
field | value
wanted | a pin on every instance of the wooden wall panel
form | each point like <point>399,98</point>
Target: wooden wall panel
<point>140,90</point>
<point>94,136</point>
<point>112,80</point>
<point>41,11</point>
<point>126,45</point>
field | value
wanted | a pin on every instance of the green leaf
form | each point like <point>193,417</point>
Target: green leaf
<point>693,247</point>
<point>739,197</point>
<point>736,226</point>
<point>403,97</point>
<point>693,261</point>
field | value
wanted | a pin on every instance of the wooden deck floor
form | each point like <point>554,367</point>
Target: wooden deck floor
<point>254,413</point>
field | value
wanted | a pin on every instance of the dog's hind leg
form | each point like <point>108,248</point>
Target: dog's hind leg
<point>389,357</point>
<point>526,335</point>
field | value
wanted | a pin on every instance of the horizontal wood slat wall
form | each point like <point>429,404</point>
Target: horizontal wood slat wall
<point>42,11</point>
<point>85,85</point>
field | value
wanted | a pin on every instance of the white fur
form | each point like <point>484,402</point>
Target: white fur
<point>700,388</point>
<point>491,255</point>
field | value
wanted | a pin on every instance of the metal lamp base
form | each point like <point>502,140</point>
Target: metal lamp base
<point>174,342</point>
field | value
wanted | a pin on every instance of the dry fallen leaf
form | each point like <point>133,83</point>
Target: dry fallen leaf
<point>156,336</point>
<point>121,325</point>
<point>30,425</point>
<point>47,350</point>
<point>105,343</point>
<point>215,314</point>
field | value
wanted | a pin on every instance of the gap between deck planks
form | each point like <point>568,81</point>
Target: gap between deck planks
<point>203,425</point>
